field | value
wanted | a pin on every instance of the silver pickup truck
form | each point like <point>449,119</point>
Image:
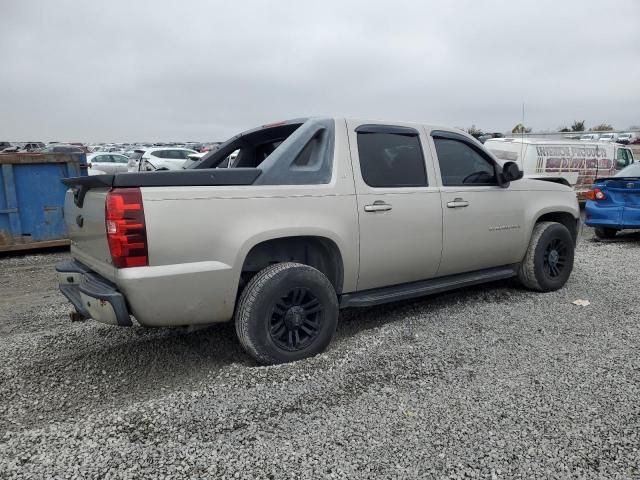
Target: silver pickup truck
<point>285,224</point>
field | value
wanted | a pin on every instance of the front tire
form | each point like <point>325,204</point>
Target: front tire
<point>606,233</point>
<point>287,312</point>
<point>549,259</point>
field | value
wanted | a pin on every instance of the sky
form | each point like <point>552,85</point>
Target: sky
<point>144,70</point>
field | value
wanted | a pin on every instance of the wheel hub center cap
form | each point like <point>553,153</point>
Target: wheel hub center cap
<point>553,257</point>
<point>294,317</point>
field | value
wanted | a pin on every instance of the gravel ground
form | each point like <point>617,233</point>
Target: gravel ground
<point>488,382</point>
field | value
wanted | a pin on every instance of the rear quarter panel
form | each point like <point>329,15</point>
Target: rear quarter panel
<point>198,239</point>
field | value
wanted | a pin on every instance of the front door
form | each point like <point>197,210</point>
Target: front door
<point>483,222</point>
<point>400,213</point>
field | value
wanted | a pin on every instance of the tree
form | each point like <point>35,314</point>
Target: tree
<point>578,126</point>
<point>603,127</point>
<point>564,129</point>
<point>520,128</point>
<point>474,131</point>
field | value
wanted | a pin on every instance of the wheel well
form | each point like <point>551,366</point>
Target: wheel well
<point>317,252</point>
<point>565,219</point>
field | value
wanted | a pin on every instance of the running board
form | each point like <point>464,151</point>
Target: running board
<point>377,296</point>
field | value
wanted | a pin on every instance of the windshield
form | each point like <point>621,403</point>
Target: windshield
<point>630,171</point>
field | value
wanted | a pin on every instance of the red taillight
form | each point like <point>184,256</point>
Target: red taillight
<point>596,194</point>
<point>126,231</point>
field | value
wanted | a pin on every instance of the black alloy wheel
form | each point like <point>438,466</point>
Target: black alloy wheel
<point>296,319</point>
<point>555,257</point>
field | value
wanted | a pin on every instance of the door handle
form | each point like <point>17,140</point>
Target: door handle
<point>458,203</point>
<point>377,206</point>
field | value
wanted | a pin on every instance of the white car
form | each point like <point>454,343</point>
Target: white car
<point>589,137</point>
<point>608,137</point>
<point>628,137</point>
<point>164,158</point>
<point>108,162</point>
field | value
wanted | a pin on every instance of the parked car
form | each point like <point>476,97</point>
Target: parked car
<point>614,203</point>
<point>164,158</point>
<point>628,138</point>
<point>608,137</point>
<point>108,162</point>
<point>61,148</point>
<point>575,163</point>
<point>134,159</point>
<point>32,146</point>
<point>4,145</point>
<point>589,137</point>
<point>486,136</point>
<point>313,216</point>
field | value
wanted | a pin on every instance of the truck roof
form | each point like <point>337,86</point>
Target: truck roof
<point>546,141</point>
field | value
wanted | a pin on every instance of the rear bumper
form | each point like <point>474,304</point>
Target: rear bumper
<point>92,295</point>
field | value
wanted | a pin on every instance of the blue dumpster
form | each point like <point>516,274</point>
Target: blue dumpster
<point>32,198</point>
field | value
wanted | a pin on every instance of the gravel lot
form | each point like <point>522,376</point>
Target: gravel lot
<point>489,382</point>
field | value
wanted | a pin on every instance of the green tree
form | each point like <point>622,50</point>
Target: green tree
<point>520,128</point>
<point>578,126</point>
<point>564,129</point>
<point>603,127</point>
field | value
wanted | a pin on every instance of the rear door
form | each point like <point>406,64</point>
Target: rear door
<point>483,223</point>
<point>400,213</point>
<point>103,163</point>
<point>120,163</point>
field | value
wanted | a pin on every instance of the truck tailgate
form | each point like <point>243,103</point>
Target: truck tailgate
<point>86,227</point>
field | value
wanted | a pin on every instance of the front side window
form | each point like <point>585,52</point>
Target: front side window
<point>462,165</point>
<point>391,160</point>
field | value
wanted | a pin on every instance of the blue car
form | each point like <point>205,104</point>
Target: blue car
<point>613,203</point>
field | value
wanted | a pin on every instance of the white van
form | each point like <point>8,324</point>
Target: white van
<point>575,162</point>
<point>608,137</point>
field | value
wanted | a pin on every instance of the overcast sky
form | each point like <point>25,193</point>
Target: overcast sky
<point>204,70</point>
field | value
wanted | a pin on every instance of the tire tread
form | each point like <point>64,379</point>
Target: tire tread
<point>526,273</point>
<point>250,296</point>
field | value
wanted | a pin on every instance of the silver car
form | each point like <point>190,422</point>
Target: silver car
<point>108,162</point>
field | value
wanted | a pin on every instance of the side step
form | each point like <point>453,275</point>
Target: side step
<point>378,296</point>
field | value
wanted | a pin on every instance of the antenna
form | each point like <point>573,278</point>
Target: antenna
<point>522,136</point>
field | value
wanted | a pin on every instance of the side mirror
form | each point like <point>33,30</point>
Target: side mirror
<point>511,172</point>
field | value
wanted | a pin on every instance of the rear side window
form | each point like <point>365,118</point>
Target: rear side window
<point>178,154</point>
<point>460,164</point>
<point>391,160</point>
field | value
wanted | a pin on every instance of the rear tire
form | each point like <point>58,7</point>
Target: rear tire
<point>606,233</point>
<point>549,259</point>
<point>287,312</point>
